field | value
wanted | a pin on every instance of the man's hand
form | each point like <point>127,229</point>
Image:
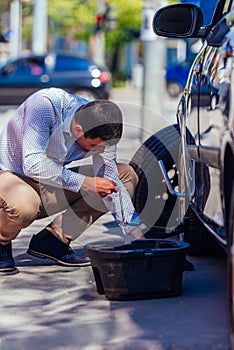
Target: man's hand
<point>99,185</point>
<point>137,233</point>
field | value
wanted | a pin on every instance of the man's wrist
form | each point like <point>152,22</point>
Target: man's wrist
<point>137,232</point>
<point>132,227</point>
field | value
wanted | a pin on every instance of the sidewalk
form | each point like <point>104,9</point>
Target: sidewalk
<point>47,306</point>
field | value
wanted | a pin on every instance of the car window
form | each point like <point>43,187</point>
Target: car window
<point>66,63</point>
<point>31,66</point>
<point>208,8</point>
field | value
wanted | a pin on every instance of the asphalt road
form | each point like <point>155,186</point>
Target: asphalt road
<point>47,307</point>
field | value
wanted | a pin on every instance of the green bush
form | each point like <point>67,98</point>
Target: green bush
<point>119,79</point>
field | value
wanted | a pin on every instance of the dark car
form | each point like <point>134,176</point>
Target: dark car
<point>194,159</point>
<point>78,75</point>
<point>176,77</point>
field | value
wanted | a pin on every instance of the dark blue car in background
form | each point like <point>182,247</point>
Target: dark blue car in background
<point>79,75</point>
<point>176,77</point>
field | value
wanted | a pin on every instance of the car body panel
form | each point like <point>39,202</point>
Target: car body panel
<point>206,111</point>
<point>209,117</point>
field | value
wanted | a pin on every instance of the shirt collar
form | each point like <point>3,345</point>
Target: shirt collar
<point>70,113</point>
<point>67,126</point>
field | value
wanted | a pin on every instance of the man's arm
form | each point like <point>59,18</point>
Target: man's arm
<point>137,233</point>
<point>99,185</point>
<point>119,202</point>
<point>42,132</point>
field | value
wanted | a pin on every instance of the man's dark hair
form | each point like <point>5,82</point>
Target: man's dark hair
<point>101,118</point>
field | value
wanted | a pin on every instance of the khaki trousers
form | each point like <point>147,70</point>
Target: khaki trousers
<point>23,200</point>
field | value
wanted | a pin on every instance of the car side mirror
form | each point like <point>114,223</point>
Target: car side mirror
<point>178,21</point>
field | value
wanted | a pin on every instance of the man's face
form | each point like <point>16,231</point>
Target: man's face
<point>88,144</point>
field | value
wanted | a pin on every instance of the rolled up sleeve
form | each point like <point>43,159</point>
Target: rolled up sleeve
<point>120,203</point>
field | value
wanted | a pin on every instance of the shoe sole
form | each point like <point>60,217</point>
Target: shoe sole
<point>8,271</point>
<point>45,256</point>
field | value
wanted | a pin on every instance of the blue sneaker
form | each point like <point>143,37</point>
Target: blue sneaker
<point>7,263</point>
<point>45,245</point>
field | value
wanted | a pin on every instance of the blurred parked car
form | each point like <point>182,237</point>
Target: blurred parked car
<point>176,77</point>
<point>78,75</point>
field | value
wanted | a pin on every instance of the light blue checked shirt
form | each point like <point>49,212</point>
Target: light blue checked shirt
<point>37,142</point>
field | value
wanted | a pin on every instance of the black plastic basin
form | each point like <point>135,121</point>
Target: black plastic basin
<point>143,269</point>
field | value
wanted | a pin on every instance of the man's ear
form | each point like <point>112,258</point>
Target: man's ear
<point>77,130</point>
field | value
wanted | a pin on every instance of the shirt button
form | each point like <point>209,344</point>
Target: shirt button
<point>108,198</point>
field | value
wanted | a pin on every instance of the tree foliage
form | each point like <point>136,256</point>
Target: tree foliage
<point>77,18</point>
<point>128,22</point>
<point>74,18</point>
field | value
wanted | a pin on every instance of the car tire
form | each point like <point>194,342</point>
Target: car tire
<point>174,89</point>
<point>198,236</point>
<point>230,281</point>
<point>155,206</point>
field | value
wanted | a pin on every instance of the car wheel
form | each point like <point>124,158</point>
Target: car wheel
<point>213,102</point>
<point>153,202</point>
<point>174,89</point>
<point>87,94</point>
<point>231,267</point>
<point>197,235</point>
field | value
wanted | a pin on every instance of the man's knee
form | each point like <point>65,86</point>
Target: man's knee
<point>21,206</point>
<point>28,206</point>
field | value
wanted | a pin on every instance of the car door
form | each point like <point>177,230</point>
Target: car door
<point>69,72</point>
<point>21,78</point>
<point>211,88</point>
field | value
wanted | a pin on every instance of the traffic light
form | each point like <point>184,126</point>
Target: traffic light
<point>107,20</point>
<point>99,22</point>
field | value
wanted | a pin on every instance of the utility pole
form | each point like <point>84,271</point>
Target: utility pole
<point>15,28</point>
<point>98,45</point>
<point>40,25</point>
<point>154,57</point>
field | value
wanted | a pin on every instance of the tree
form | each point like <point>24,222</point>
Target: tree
<point>77,18</point>
<point>127,16</point>
<point>74,18</point>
